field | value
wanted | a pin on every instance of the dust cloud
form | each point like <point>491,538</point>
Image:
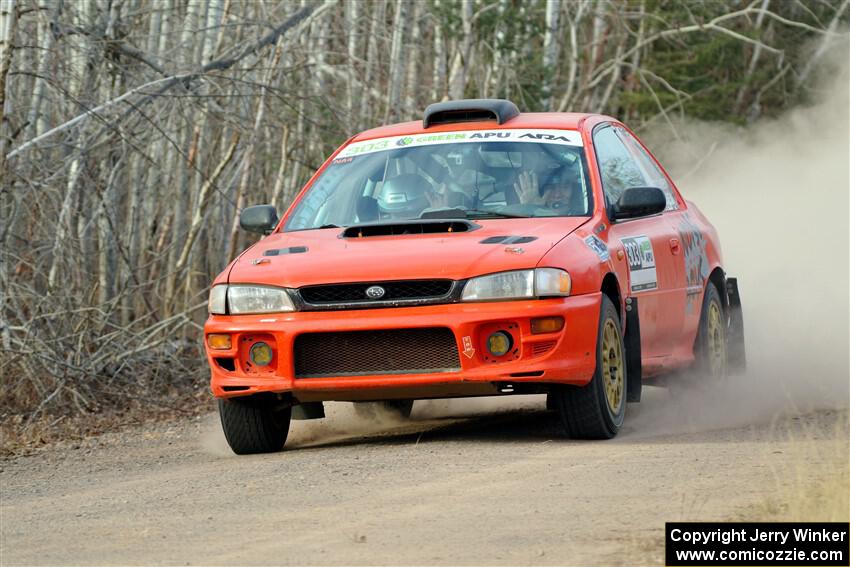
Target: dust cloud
<point>342,422</point>
<point>777,192</point>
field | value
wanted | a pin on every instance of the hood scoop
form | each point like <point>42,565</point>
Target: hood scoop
<point>399,228</point>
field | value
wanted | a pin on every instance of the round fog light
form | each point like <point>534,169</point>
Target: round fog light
<point>499,343</point>
<point>261,354</point>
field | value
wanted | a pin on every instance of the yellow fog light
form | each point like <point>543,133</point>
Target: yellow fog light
<point>219,342</point>
<point>499,343</point>
<point>547,325</point>
<point>261,354</point>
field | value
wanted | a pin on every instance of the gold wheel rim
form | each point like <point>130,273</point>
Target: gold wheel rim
<point>613,366</point>
<point>716,341</point>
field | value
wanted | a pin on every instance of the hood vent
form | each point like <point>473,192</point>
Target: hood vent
<point>399,228</point>
<point>290,250</point>
<point>508,239</point>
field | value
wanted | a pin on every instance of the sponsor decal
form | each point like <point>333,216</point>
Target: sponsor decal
<point>468,349</point>
<point>696,259</point>
<point>341,161</point>
<point>641,263</point>
<point>562,137</point>
<point>547,137</point>
<point>488,135</point>
<point>594,243</point>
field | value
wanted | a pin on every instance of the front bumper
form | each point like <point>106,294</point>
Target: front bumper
<point>566,356</point>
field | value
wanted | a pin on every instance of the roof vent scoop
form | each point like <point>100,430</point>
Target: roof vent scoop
<point>469,110</point>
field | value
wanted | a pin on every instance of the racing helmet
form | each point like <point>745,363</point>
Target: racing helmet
<point>404,196</point>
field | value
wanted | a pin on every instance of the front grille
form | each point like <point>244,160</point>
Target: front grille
<point>393,291</point>
<point>360,353</point>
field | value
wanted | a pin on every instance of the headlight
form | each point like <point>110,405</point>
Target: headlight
<point>218,300</point>
<point>541,282</point>
<point>244,299</point>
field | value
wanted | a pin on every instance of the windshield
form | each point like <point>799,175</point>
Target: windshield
<point>486,174</point>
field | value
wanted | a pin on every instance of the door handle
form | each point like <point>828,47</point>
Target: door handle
<point>674,245</point>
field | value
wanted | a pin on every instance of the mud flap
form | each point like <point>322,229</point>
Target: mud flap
<point>634,379</point>
<point>736,349</point>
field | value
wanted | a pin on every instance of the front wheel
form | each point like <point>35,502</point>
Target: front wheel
<point>597,409</point>
<point>254,425</point>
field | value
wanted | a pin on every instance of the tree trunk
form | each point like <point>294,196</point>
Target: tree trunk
<point>248,155</point>
<point>8,27</point>
<point>457,77</point>
<point>438,85</point>
<point>497,73</point>
<point>551,49</point>
<point>352,16</point>
<point>395,82</point>
<point>367,110</point>
<point>739,99</point>
<point>414,61</point>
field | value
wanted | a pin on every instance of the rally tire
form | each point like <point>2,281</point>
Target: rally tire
<point>710,348</point>
<point>597,409</point>
<point>254,425</point>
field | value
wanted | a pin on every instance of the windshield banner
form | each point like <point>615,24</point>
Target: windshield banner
<point>563,137</point>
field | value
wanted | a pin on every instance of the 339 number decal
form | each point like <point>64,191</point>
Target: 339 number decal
<point>641,263</point>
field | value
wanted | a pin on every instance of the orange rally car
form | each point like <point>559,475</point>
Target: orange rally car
<point>481,251</point>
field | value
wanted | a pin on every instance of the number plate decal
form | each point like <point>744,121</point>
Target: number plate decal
<point>641,263</point>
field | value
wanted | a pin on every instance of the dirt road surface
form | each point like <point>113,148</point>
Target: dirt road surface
<point>463,482</point>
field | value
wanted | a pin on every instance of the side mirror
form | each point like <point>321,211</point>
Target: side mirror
<point>639,202</point>
<point>260,219</point>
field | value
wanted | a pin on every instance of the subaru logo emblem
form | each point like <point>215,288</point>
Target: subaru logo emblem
<point>375,292</point>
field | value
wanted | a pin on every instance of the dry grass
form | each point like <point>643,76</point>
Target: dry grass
<point>821,500</point>
<point>20,435</point>
<point>806,492</point>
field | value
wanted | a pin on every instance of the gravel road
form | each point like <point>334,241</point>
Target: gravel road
<point>463,482</point>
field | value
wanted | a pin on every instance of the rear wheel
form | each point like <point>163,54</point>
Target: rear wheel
<point>710,347</point>
<point>254,425</point>
<point>597,410</point>
<point>371,410</point>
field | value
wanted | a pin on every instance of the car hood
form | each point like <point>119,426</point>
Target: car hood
<point>309,257</point>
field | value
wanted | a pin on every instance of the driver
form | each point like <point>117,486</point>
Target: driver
<point>557,193</point>
<point>404,196</point>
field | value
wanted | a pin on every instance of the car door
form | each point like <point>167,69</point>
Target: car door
<point>649,247</point>
<point>691,269</point>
